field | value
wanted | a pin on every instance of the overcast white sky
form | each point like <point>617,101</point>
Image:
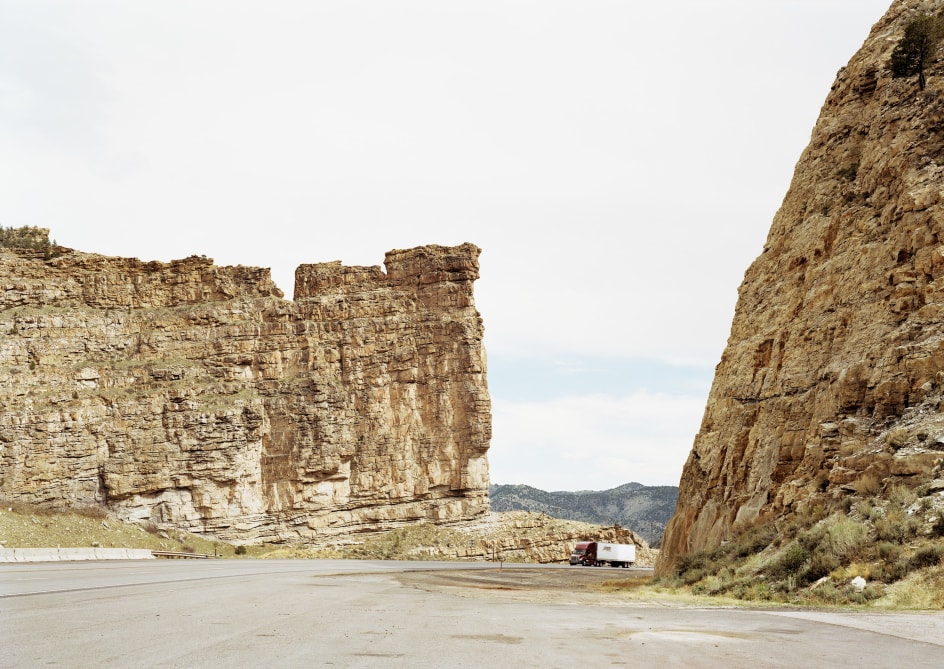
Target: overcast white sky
<point>619,163</point>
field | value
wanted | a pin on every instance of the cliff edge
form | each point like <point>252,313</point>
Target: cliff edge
<point>832,380</point>
<point>194,395</point>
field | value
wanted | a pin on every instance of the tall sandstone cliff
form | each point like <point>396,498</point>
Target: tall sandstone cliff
<point>191,394</point>
<point>832,381</point>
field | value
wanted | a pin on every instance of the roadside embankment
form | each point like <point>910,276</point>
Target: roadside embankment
<point>73,554</point>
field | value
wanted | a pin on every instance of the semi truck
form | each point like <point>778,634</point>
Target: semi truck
<point>600,554</point>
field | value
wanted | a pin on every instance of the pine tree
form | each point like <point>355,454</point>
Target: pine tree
<point>917,49</point>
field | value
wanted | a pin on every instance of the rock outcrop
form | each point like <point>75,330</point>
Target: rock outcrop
<point>523,536</point>
<point>511,536</point>
<point>191,394</point>
<point>832,381</point>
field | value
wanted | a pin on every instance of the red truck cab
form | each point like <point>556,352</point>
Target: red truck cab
<point>580,556</point>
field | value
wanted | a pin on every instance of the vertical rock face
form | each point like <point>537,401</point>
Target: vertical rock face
<point>193,394</point>
<point>833,376</point>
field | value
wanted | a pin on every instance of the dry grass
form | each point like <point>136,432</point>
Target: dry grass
<point>868,484</point>
<point>897,438</point>
<point>813,560</point>
<point>923,589</point>
<point>27,526</point>
<point>626,584</point>
<point>902,495</point>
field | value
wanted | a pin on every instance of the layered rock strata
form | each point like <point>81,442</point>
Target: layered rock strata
<point>192,394</point>
<point>523,536</point>
<point>833,377</point>
<point>511,536</point>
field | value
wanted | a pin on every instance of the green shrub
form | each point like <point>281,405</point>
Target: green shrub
<point>694,560</point>
<point>891,571</point>
<point>752,591</point>
<point>896,526</point>
<point>821,564</point>
<point>861,597</point>
<point>928,556</point>
<point>26,237</point>
<point>694,576</point>
<point>865,507</point>
<point>789,562</point>
<point>812,537</point>
<point>888,551</point>
<point>739,591</point>
<point>828,593</point>
<point>719,583</point>
<point>937,527</point>
<point>831,543</point>
<point>760,591</point>
<point>746,544</point>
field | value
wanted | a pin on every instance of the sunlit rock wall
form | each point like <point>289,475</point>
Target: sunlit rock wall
<point>194,395</point>
<point>833,377</point>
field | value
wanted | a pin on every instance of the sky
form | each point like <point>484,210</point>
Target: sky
<point>618,162</point>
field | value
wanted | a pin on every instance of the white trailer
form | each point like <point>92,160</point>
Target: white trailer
<point>616,555</point>
<point>600,553</point>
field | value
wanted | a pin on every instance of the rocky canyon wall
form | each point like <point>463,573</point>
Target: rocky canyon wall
<point>832,381</point>
<point>192,394</point>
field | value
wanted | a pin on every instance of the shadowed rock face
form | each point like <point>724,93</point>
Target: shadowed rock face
<point>193,394</point>
<point>833,375</point>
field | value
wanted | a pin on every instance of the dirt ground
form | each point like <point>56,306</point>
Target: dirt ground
<point>564,585</point>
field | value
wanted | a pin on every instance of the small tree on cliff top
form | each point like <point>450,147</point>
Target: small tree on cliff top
<point>27,237</point>
<point>916,50</point>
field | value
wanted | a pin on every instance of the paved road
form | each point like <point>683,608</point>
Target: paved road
<point>376,614</point>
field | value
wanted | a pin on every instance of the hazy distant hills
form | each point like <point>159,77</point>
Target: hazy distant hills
<point>643,509</point>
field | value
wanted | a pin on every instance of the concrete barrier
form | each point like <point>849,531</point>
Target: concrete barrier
<point>73,554</point>
<point>178,554</point>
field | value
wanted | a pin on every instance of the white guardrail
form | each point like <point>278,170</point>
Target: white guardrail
<point>71,554</point>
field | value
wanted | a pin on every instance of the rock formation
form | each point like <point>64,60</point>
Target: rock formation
<point>192,394</point>
<point>524,536</point>
<point>511,536</point>
<point>833,377</point>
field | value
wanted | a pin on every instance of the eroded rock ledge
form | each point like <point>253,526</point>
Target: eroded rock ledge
<point>192,394</point>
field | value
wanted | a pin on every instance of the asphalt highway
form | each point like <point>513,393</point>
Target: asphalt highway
<point>248,613</point>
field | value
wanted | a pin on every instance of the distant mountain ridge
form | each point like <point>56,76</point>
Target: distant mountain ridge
<point>643,509</point>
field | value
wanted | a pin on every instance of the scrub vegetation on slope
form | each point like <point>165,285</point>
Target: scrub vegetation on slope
<point>883,551</point>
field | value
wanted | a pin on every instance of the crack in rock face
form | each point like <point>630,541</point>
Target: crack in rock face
<point>194,396</point>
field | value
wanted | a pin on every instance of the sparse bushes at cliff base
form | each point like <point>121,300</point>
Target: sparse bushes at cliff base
<point>875,553</point>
